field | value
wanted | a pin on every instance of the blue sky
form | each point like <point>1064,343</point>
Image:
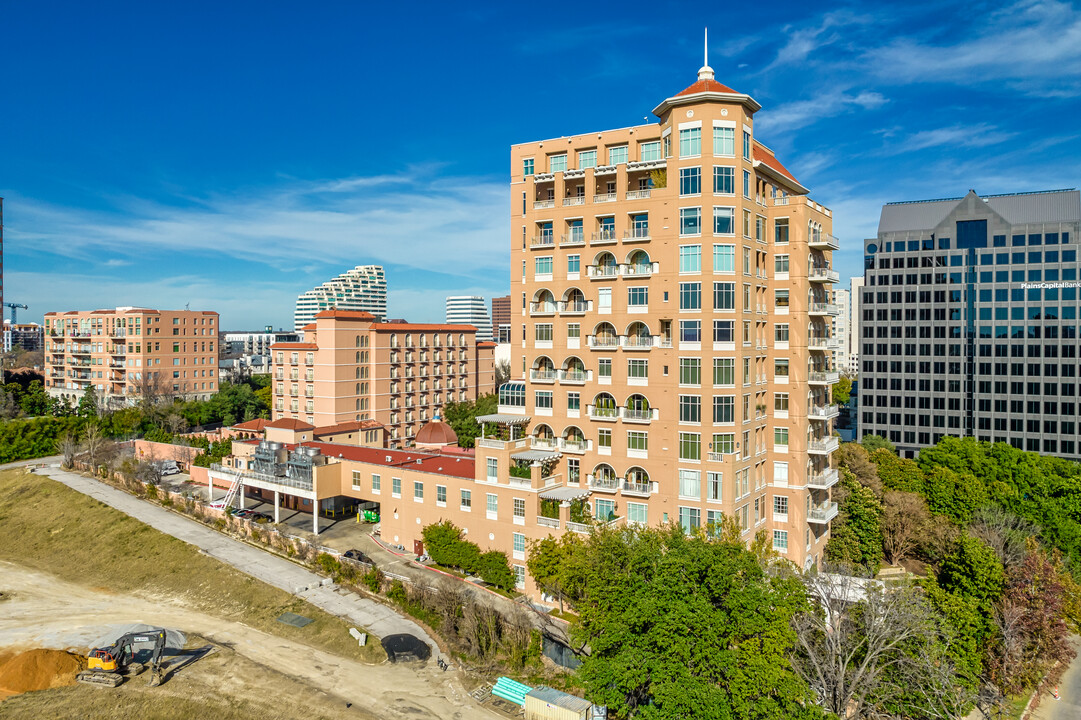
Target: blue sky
<point>231,155</point>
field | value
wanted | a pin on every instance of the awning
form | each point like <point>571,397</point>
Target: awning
<point>536,455</point>
<point>503,419</point>
<point>564,493</point>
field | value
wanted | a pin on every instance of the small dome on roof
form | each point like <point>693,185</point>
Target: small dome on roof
<point>436,432</point>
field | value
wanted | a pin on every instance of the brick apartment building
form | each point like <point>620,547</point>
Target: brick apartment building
<point>350,367</point>
<point>127,352</point>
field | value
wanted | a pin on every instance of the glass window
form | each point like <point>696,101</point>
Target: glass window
<point>637,296</point>
<point>617,155</point>
<point>724,371</point>
<point>780,263</point>
<point>714,486</point>
<point>724,258</point>
<point>724,180</point>
<point>519,507</point>
<point>604,367</point>
<point>690,519</point>
<point>527,167</point>
<point>724,296</point>
<point>780,231</point>
<point>396,487</point>
<point>637,368</point>
<point>493,469</point>
<point>637,513</point>
<point>519,541</point>
<point>746,183</point>
<point>724,409</point>
<point>574,330</point>
<point>690,181</point>
<point>441,493</point>
<point>724,443</point>
<point>780,540</point>
<point>493,503</point>
<point>724,141</point>
<point>781,332</point>
<point>467,498</point>
<point>690,258</point>
<point>604,510</point>
<point>690,446</point>
<point>557,163</point>
<point>690,142</point>
<point>542,265</point>
<point>418,490</point>
<point>376,483</point>
<point>690,371</point>
<point>543,399</point>
<point>604,438</point>
<point>780,436</point>
<point>723,331</point>
<point>690,408</point>
<point>724,221</point>
<point>574,400</point>
<point>690,221</point>
<point>587,159</point>
<point>690,331</point>
<point>650,151</point>
<point>574,263</point>
<point>746,145</point>
<point>690,296</point>
<point>690,484</point>
<point>637,440</point>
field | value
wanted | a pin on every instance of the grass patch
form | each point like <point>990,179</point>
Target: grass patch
<point>81,540</point>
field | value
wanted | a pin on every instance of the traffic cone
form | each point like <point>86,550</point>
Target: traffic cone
<point>1055,693</point>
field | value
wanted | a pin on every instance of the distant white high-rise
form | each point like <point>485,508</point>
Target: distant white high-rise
<point>854,324</point>
<point>470,310</point>
<point>842,330</point>
<point>363,288</point>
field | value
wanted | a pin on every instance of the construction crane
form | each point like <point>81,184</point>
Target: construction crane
<point>14,312</point>
<point>108,666</point>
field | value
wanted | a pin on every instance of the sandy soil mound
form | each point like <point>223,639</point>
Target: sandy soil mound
<point>38,670</point>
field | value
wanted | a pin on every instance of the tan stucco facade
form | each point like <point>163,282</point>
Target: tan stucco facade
<point>125,352</point>
<point>351,368</point>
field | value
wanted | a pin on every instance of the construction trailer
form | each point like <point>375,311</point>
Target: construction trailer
<point>545,703</point>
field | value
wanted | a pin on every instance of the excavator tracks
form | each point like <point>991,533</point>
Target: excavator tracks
<point>100,679</point>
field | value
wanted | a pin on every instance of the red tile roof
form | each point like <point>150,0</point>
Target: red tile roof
<point>386,327</point>
<point>769,160</point>
<point>708,86</point>
<point>486,343</point>
<point>309,326</point>
<point>290,424</point>
<point>352,426</point>
<point>452,466</point>
<point>346,315</point>
<point>255,425</point>
<point>295,346</point>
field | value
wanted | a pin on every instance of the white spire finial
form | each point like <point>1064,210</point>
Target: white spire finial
<point>705,72</point>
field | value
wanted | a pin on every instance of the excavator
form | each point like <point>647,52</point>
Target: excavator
<point>108,666</point>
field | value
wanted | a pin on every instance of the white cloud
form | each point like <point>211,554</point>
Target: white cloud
<point>1035,46</point>
<point>802,113</point>
<point>456,225</point>
<point>956,136</point>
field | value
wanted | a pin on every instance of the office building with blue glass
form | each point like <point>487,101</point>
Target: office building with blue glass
<point>970,322</point>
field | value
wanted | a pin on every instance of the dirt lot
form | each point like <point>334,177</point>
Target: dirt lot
<point>79,569</point>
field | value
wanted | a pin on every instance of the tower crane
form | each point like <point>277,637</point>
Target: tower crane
<point>14,312</point>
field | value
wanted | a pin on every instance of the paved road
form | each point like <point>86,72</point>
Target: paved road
<point>1068,707</point>
<point>271,569</point>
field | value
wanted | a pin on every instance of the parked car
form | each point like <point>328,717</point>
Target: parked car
<point>358,557</point>
<point>167,467</point>
<point>260,517</point>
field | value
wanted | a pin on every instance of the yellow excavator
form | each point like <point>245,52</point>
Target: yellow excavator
<point>108,666</point>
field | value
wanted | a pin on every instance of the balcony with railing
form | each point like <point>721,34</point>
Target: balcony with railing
<point>545,240</point>
<point>574,446</point>
<point>597,272</point>
<point>573,239</point>
<point>544,204</point>
<point>603,237</point>
<point>602,342</point>
<point>638,194</point>
<point>543,308</point>
<point>575,377</point>
<point>828,377</point>
<point>823,274</point>
<point>823,480</point>
<point>607,414</point>
<point>636,234</point>
<point>580,307</point>
<point>638,415</point>
<point>823,446</point>
<point>822,343</point>
<point>603,484</point>
<point>575,200</point>
<point>822,514</point>
<point>543,375</point>
<point>638,270</point>
<point>824,242</point>
<point>824,309</point>
<point>822,412</point>
<point>548,522</point>
<point>604,197</point>
<point>637,489</point>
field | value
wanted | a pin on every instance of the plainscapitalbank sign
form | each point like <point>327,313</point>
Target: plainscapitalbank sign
<point>1049,285</point>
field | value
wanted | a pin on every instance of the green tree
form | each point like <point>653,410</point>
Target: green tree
<point>874,442</point>
<point>88,403</point>
<point>35,401</point>
<point>686,627</point>
<point>462,417</point>
<point>551,564</point>
<point>856,533</point>
<point>973,571</point>
<point>842,390</point>
<point>954,495</point>
<point>897,473</point>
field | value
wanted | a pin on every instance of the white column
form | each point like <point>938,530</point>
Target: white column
<point>209,486</point>
<point>277,509</point>
<point>315,516</point>
<point>240,499</point>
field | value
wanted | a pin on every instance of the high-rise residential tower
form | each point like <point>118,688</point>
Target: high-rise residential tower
<point>841,329</point>
<point>672,287</point>
<point>854,294</point>
<point>970,322</point>
<point>364,288</point>
<point>470,310</point>
<point>501,319</point>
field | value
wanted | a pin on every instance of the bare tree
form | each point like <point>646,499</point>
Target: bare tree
<point>95,442</point>
<point>853,641</point>
<point>1004,532</point>
<point>67,445</point>
<point>904,518</point>
<point>502,372</point>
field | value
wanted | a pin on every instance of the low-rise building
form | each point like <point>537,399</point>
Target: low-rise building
<point>350,367</point>
<point>128,352</point>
